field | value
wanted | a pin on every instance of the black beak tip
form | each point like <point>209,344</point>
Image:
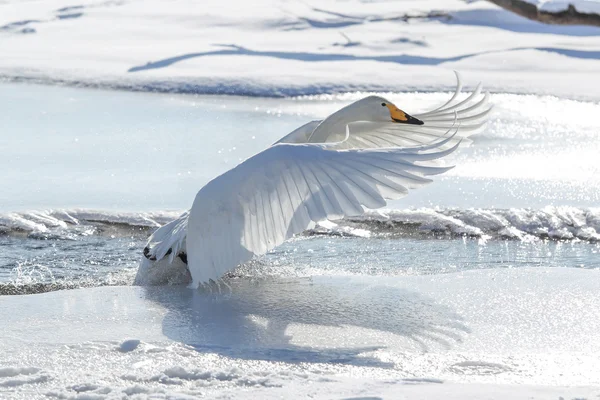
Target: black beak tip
<point>410,120</point>
<point>414,121</point>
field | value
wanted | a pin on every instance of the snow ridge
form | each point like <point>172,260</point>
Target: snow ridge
<point>556,223</point>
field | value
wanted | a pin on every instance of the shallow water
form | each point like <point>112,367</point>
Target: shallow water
<point>95,261</point>
<point>66,148</point>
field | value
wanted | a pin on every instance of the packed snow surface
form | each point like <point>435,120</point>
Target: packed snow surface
<point>276,47</point>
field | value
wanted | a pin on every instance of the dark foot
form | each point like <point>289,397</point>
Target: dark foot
<point>183,257</point>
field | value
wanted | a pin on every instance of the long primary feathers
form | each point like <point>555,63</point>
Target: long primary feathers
<point>431,139</point>
<point>279,192</point>
<point>470,114</point>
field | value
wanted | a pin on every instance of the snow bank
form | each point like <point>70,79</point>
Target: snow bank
<point>561,223</point>
<point>279,48</point>
<point>78,221</point>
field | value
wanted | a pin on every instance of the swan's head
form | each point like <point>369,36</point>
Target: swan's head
<point>379,109</point>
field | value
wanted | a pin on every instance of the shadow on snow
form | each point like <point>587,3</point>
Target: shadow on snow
<point>250,322</point>
<point>234,50</point>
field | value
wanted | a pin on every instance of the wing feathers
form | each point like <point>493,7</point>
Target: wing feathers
<point>475,107</point>
<point>332,207</point>
<point>278,193</point>
<point>454,96</point>
<point>281,191</point>
<point>456,106</point>
<point>470,114</point>
<point>348,201</point>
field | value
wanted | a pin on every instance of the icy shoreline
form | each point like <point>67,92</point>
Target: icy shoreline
<point>524,224</point>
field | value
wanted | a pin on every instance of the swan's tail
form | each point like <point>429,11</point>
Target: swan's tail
<point>168,240</point>
<point>165,255</point>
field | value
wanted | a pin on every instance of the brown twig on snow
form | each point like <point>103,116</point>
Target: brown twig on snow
<point>570,16</point>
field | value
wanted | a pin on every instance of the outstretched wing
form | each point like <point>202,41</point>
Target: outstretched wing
<point>279,192</point>
<point>468,114</point>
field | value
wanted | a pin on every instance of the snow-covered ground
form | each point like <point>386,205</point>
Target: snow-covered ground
<point>276,47</point>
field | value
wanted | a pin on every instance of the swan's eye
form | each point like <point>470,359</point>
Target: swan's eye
<point>383,104</point>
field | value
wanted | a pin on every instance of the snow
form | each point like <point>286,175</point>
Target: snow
<point>499,333</point>
<point>561,223</point>
<point>583,6</point>
<point>505,333</point>
<point>274,47</point>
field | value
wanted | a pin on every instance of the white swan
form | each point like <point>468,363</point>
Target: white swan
<point>361,155</point>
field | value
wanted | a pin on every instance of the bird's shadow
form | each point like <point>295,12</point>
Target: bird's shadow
<point>251,320</point>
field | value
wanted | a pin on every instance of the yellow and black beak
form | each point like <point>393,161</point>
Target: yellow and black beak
<point>400,116</point>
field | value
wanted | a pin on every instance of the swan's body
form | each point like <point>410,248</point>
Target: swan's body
<point>361,155</point>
